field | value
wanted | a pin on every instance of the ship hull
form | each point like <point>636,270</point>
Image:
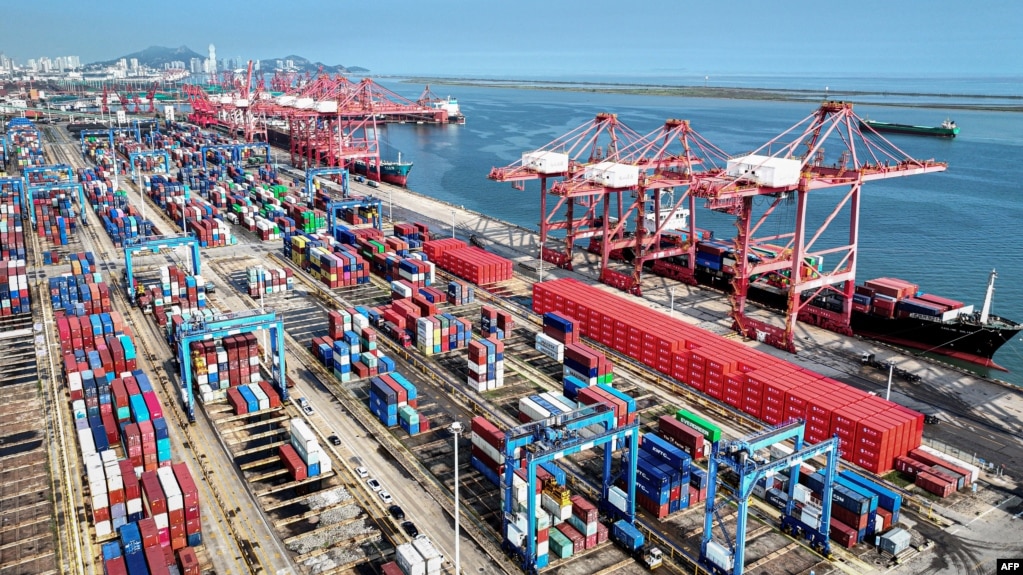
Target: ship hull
<point>912,130</point>
<point>964,341</point>
<point>390,172</point>
<point>960,339</point>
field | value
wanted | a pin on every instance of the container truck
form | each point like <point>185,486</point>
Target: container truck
<point>632,540</point>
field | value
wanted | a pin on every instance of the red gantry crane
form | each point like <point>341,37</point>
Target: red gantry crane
<point>784,168</point>
<point>580,208</point>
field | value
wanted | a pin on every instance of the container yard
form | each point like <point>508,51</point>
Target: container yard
<point>275,371</point>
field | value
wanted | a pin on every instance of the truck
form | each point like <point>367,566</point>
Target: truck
<point>399,335</point>
<point>632,540</point>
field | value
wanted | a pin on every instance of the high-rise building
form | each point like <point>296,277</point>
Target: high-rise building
<point>122,64</point>
<point>195,65</point>
<point>32,65</point>
<point>256,65</point>
<point>133,64</point>
<point>211,66</point>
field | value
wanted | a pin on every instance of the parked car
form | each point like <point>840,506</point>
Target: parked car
<point>396,512</point>
<point>410,529</point>
<point>308,410</point>
<point>386,497</point>
<point>334,440</point>
<point>362,472</point>
<point>374,484</point>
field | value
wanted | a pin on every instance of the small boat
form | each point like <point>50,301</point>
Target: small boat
<point>947,129</point>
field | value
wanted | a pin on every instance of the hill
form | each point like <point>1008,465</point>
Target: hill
<point>157,56</point>
<point>305,65</point>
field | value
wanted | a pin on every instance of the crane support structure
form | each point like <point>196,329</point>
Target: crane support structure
<point>155,244</point>
<point>86,133</point>
<point>226,325</point>
<point>741,456</point>
<point>546,440</point>
<point>130,130</point>
<point>72,187</point>
<point>158,154</point>
<point>334,209</point>
<point>236,151</point>
<point>310,180</point>
<point>56,176</point>
<point>780,170</point>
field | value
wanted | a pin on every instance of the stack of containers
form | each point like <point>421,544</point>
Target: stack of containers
<point>733,373</point>
<point>190,502</point>
<point>384,401</point>
<point>889,503</point>
<point>14,295</point>
<point>550,347</point>
<point>623,406</point>
<point>684,436</point>
<point>585,520</point>
<point>476,265</point>
<point>54,214</point>
<point>663,476</point>
<point>308,448</point>
<point>297,469</point>
<point>588,365</point>
<point>488,322</point>
<point>486,364</point>
<point>936,472</point>
<point>487,449</point>
<point>853,508</point>
<point>544,406</point>
<point>269,280</point>
<point>560,328</point>
<point>79,295</point>
<point>460,293</point>
<point>181,289</point>
<point>518,526</point>
<point>441,333</point>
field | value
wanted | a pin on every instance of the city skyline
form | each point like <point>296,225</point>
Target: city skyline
<point>452,37</point>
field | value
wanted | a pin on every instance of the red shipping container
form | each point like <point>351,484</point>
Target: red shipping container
<point>152,494</point>
<point>189,490</point>
<point>155,561</point>
<point>116,567</point>
<point>577,539</point>
<point>843,534</point>
<point>294,464</point>
<point>148,532</point>
<point>132,489</point>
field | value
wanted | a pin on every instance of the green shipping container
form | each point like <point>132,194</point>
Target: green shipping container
<point>710,431</point>
<point>559,545</point>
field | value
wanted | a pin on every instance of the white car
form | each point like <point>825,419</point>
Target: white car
<point>362,472</point>
<point>374,484</point>
<point>308,410</point>
<point>386,497</point>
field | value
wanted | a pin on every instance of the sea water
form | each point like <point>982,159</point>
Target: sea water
<point>943,231</point>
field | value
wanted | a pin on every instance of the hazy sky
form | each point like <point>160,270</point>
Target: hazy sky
<point>657,37</point>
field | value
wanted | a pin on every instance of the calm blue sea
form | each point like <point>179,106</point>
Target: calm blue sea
<point>944,231</point>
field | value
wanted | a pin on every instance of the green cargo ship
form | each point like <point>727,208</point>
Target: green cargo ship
<point>947,129</point>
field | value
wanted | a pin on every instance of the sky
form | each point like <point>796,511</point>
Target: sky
<point>898,38</point>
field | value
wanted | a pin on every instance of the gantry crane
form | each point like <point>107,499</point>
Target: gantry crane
<point>742,457</point>
<point>779,170</point>
<point>546,440</point>
<point>219,326</point>
<point>236,151</point>
<point>605,139</point>
<point>89,133</point>
<point>154,244</point>
<point>55,177</point>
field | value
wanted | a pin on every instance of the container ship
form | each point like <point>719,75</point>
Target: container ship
<point>947,129</point>
<point>884,309</point>
<point>392,172</point>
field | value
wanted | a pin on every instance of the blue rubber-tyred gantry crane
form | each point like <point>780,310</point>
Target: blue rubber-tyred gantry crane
<point>546,440</point>
<point>741,456</point>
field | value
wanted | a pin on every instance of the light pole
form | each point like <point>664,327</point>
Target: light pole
<point>261,275</point>
<point>390,206</point>
<point>671,290</point>
<point>891,369</point>
<point>456,429</point>
<point>539,272</point>
<point>452,223</point>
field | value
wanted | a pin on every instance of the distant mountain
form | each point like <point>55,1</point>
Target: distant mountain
<point>157,56</point>
<point>304,65</point>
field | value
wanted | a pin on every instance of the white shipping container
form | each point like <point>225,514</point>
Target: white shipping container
<point>542,548</point>
<point>558,402</point>
<point>409,560</point>
<point>801,493</point>
<point>765,170</point>
<point>162,521</point>
<point>433,558</point>
<point>720,556</point>
<point>86,442</point>
<point>490,451</point>
<point>326,465</point>
<point>550,347</point>
<point>134,505</point>
<point>103,529</point>
<point>515,535</point>
<point>100,500</point>
<point>171,490</point>
<point>617,497</point>
<point>545,162</point>
<point>301,433</point>
<point>532,409</point>
<point>108,456</point>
